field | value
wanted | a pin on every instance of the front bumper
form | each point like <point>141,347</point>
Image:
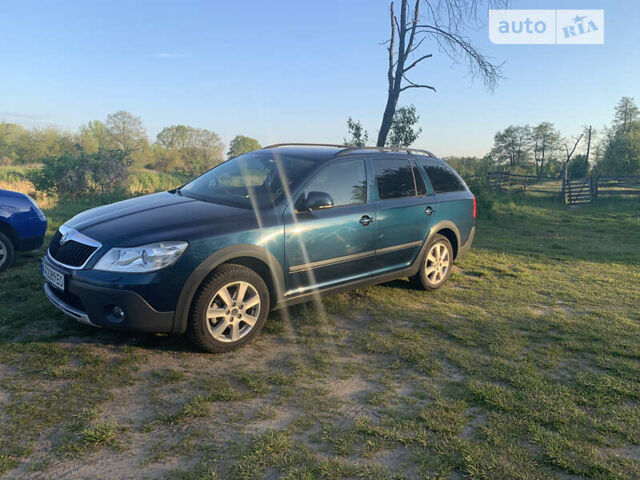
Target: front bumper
<point>28,244</point>
<point>93,305</point>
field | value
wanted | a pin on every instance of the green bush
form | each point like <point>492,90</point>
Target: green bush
<point>83,175</point>
<point>144,181</point>
<point>9,174</point>
<point>486,197</point>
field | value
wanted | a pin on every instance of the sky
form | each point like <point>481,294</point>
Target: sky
<point>293,71</point>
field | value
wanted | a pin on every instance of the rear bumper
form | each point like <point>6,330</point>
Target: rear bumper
<point>93,305</point>
<point>465,248</point>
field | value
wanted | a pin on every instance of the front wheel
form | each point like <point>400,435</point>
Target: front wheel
<point>7,252</point>
<point>229,309</point>
<point>436,263</point>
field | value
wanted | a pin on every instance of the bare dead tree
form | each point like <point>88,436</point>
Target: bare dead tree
<point>443,23</point>
<point>565,169</point>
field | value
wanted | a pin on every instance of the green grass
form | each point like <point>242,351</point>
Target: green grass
<point>526,365</point>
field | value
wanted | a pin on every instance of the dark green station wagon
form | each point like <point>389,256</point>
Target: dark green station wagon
<point>260,232</point>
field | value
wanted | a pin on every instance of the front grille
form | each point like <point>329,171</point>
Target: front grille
<point>72,253</point>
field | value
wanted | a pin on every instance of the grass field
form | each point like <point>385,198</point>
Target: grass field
<point>526,365</point>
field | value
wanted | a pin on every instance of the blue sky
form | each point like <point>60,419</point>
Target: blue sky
<point>287,70</point>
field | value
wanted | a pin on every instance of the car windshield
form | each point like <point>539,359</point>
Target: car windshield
<point>254,180</point>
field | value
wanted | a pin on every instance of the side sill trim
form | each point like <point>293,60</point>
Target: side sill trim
<point>402,246</point>
<point>347,258</point>
<point>330,261</point>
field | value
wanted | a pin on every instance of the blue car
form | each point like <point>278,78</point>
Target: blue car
<point>259,232</point>
<point>22,226</point>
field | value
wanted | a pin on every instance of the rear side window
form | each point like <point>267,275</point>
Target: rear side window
<point>420,186</point>
<point>443,179</point>
<point>394,178</point>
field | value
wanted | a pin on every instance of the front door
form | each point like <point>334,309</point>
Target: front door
<point>333,244</point>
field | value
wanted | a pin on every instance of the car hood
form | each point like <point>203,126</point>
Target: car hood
<point>158,217</point>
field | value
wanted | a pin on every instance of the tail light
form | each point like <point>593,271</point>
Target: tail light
<point>475,207</point>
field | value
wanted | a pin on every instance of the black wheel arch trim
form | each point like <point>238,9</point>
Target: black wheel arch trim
<point>441,225</point>
<point>225,255</point>
<point>10,232</point>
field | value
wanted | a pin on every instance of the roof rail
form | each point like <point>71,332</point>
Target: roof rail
<point>388,149</point>
<point>346,149</point>
<point>305,145</point>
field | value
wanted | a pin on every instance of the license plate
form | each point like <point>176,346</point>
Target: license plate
<point>53,276</point>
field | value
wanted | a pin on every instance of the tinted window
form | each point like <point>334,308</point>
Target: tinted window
<point>422,190</point>
<point>443,179</point>
<point>394,178</point>
<point>345,182</point>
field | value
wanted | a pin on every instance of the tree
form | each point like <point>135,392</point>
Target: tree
<point>94,136</point>
<point>241,144</point>
<point>176,137</point>
<point>403,131</point>
<point>545,140</point>
<point>444,23</point>
<point>359,136</point>
<point>11,135</point>
<point>621,154</point>
<point>126,131</point>
<point>626,115</point>
<point>192,149</point>
<point>512,145</point>
<point>578,167</point>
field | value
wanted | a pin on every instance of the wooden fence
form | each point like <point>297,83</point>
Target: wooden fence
<point>574,190</point>
<point>608,186</point>
<point>580,190</point>
<point>532,183</point>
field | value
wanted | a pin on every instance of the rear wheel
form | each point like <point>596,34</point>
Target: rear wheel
<point>436,264</point>
<point>7,252</point>
<point>229,309</point>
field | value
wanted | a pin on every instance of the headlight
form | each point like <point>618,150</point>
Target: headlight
<point>146,258</point>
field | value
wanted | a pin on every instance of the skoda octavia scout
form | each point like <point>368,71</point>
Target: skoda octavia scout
<point>260,232</point>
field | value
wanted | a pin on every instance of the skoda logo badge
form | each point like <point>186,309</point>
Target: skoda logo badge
<point>65,238</point>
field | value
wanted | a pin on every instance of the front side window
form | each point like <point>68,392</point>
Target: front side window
<point>443,179</point>
<point>344,181</point>
<point>394,178</point>
<point>255,180</point>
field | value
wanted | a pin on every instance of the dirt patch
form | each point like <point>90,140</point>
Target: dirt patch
<point>471,428</point>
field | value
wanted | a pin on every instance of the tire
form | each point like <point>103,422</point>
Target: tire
<point>218,321</point>
<point>7,252</point>
<point>437,261</point>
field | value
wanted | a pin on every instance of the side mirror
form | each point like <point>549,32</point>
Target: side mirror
<point>317,201</point>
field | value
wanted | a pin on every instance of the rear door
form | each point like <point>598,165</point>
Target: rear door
<point>405,211</point>
<point>331,245</point>
<point>455,201</point>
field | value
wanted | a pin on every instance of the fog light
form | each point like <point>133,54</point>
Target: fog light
<point>118,313</point>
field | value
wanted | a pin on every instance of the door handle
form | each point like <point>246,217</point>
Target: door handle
<point>366,220</point>
<point>429,210</point>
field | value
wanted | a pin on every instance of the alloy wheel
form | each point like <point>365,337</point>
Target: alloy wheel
<point>233,311</point>
<point>437,264</point>
<point>3,253</point>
